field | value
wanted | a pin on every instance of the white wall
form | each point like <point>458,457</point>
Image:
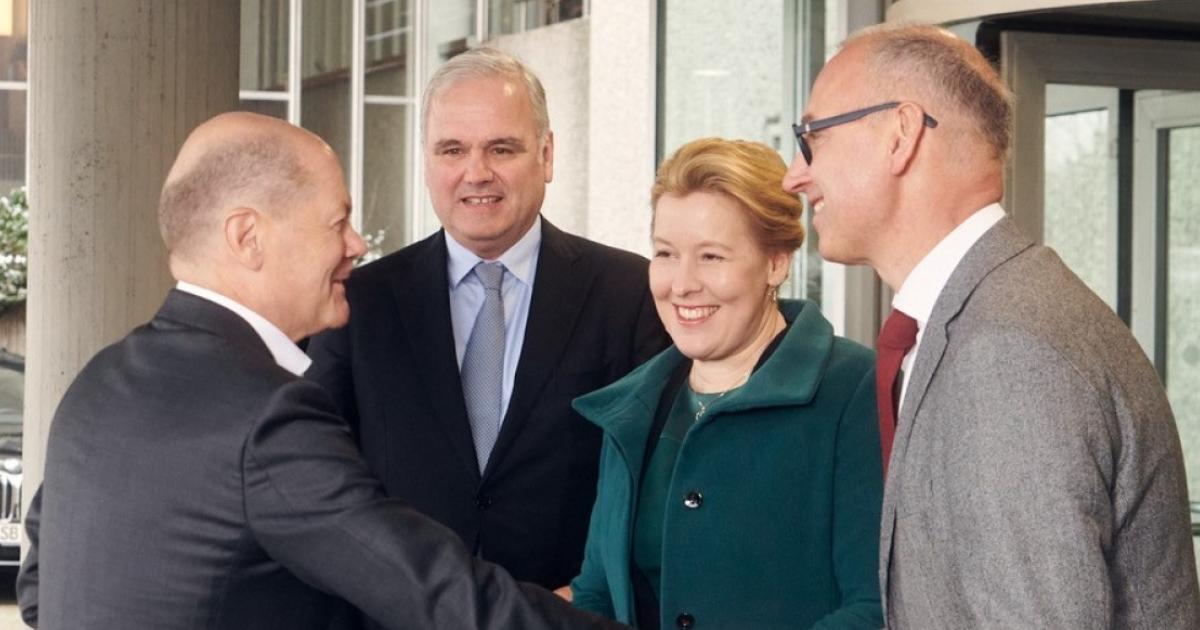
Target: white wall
<point>621,123</point>
<point>599,74</point>
<point>557,54</point>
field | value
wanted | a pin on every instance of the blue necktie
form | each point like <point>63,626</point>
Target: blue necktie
<point>483,364</point>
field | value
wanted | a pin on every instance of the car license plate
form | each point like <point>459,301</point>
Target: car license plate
<point>10,534</point>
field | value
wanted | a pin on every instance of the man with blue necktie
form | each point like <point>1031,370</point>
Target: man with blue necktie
<point>464,350</point>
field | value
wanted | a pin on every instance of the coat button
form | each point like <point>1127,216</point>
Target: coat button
<point>483,503</point>
<point>692,500</point>
<point>685,621</point>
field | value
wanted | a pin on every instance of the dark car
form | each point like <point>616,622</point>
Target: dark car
<point>12,397</point>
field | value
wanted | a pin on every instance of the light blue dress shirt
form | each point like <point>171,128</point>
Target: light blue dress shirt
<point>516,289</point>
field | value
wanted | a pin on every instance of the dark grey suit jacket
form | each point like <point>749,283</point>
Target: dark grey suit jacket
<point>393,373</point>
<point>193,483</point>
<point>1037,479</point>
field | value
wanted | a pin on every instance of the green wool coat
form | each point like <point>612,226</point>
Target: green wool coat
<point>788,469</point>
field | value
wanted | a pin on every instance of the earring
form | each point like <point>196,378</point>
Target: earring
<point>773,294</point>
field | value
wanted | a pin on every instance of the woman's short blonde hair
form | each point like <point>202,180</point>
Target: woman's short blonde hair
<point>750,173</point>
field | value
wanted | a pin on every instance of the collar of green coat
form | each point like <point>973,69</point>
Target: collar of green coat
<point>790,376</point>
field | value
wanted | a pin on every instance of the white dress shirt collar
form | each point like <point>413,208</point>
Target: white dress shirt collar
<point>925,282</point>
<point>518,260</point>
<point>286,353</point>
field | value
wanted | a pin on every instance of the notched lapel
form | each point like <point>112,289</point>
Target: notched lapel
<point>560,289</point>
<point>999,244</point>
<point>423,300</point>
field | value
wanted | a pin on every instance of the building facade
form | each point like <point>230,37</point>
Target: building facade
<point>1104,169</point>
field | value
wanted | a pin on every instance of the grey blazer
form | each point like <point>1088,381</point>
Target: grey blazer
<point>1037,479</point>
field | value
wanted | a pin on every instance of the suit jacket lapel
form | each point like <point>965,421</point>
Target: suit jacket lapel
<point>560,287</point>
<point>423,302</point>
<point>999,244</point>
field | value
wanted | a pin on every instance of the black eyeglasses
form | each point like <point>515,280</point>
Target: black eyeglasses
<point>841,119</point>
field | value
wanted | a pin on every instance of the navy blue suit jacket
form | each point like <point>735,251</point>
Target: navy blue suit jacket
<point>393,373</point>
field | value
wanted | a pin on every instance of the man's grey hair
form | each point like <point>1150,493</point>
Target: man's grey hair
<point>259,170</point>
<point>931,61</point>
<point>483,63</point>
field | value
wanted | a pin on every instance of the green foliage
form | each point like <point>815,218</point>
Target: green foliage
<point>14,247</point>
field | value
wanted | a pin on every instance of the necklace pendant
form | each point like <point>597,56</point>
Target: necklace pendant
<point>705,405</point>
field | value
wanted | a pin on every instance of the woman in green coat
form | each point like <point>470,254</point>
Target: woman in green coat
<point>740,478</point>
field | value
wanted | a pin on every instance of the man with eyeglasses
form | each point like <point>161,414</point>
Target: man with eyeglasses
<point>1034,475</point>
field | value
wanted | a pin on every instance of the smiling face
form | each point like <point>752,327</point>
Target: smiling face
<point>847,184</point>
<point>311,250</point>
<point>485,167</point>
<point>710,278</point>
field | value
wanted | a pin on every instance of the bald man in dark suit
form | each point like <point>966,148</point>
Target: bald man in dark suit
<point>194,480</point>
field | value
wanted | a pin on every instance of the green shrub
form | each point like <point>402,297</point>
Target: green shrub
<point>14,247</point>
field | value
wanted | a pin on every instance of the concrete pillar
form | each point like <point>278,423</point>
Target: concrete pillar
<point>115,86</point>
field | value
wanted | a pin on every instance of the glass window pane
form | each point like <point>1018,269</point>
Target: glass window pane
<point>264,57</point>
<point>14,40</point>
<point>325,91</point>
<point>516,16</point>
<point>277,109</point>
<point>1080,186</point>
<point>806,266</point>
<point>449,25</point>
<point>388,47</point>
<point>326,50</point>
<point>387,133</point>
<point>12,140</point>
<point>1183,293</point>
<point>723,73</point>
